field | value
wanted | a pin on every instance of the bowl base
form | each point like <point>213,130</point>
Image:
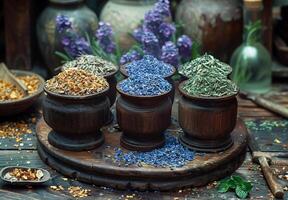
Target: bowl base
<point>79,144</point>
<point>211,146</point>
<point>134,145</point>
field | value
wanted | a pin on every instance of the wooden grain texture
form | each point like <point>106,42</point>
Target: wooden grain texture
<point>97,166</point>
<point>18,31</point>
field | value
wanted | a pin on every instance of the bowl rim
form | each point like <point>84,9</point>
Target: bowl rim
<point>125,73</point>
<point>31,96</point>
<point>76,97</point>
<point>184,93</point>
<point>138,96</point>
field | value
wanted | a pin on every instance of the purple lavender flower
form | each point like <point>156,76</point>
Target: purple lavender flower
<point>150,44</point>
<point>152,21</point>
<point>166,30</point>
<point>104,34</point>
<point>163,7</point>
<point>129,57</point>
<point>184,45</point>
<point>63,23</point>
<point>75,45</point>
<point>170,54</point>
<point>137,34</point>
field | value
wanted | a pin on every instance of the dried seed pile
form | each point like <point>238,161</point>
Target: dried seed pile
<point>209,78</point>
<point>149,65</point>
<point>31,82</point>
<point>79,192</point>
<point>14,129</point>
<point>204,65</point>
<point>145,85</point>
<point>76,82</point>
<point>19,174</point>
<point>9,91</point>
<point>94,64</point>
<point>173,154</point>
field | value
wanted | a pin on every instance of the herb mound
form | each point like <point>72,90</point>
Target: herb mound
<point>76,82</point>
<point>145,85</point>
<point>208,77</point>
<point>93,64</point>
<point>149,65</point>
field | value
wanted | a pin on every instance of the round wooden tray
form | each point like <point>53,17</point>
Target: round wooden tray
<point>97,166</point>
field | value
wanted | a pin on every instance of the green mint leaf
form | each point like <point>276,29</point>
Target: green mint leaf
<point>223,187</point>
<point>241,193</point>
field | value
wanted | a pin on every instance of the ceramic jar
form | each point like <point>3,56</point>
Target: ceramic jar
<point>124,16</point>
<point>143,120</point>
<point>76,120</point>
<point>209,21</point>
<point>83,20</point>
<point>207,122</point>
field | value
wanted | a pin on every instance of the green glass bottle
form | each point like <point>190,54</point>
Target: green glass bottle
<point>251,62</point>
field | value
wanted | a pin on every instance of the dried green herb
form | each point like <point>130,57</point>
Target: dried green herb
<point>208,77</point>
<point>204,65</point>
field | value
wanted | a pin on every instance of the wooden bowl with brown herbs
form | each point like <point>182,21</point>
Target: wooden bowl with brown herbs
<point>12,100</point>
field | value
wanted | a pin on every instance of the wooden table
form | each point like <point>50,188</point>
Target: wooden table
<point>269,130</point>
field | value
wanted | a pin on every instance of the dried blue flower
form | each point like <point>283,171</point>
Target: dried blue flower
<point>145,85</point>
<point>170,54</point>
<point>104,35</point>
<point>63,23</point>
<point>130,56</point>
<point>149,65</point>
<point>184,45</point>
<point>172,155</point>
<point>166,31</point>
<point>75,45</point>
<point>150,44</point>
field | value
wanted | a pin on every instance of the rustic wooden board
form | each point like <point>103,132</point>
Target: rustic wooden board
<point>248,170</point>
<point>98,168</point>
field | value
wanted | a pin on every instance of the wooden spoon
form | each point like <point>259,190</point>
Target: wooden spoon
<point>6,75</point>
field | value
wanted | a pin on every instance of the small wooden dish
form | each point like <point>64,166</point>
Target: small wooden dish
<point>12,107</point>
<point>46,176</point>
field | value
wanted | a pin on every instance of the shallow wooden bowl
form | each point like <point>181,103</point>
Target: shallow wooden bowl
<point>12,107</point>
<point>46,176</point>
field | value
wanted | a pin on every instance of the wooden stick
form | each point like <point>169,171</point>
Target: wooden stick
<point>269,105</point>
<point>274,186</point>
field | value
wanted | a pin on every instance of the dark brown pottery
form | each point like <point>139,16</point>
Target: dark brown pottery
<point>13,107</point>
<point>143,120</point>
<point>168,78</point>
<point>207,121</point>
<point>76,120</point>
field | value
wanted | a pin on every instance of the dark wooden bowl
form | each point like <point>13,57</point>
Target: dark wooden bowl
<point>13,107</point>
<point>76,120</point>
<point>143,120</point>
<point>46,176</point>
<point>207,121</point>
<point>123,71</point>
